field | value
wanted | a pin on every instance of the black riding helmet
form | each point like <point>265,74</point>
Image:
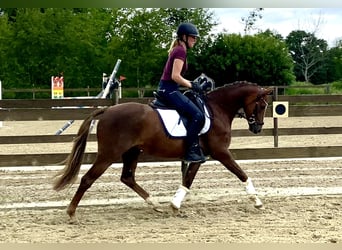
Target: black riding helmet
<point>187,29</point>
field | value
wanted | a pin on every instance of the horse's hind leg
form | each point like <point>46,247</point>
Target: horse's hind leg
<point>98,168</point>
<point>130,161</point>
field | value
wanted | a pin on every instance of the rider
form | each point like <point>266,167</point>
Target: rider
<point>170,81</point>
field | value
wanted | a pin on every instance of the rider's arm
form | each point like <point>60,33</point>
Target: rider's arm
<point>176,73</point>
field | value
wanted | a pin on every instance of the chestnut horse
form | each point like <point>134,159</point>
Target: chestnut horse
<point>127,130</point>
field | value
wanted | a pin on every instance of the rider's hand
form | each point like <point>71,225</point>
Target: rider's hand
<point>196,87</point>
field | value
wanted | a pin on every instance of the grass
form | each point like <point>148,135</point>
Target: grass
<point>305,88</point>
<point>336,87</point>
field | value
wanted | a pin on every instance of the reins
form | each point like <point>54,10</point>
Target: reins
<point>252,118</point>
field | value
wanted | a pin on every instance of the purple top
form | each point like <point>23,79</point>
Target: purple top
<point>178,52</point>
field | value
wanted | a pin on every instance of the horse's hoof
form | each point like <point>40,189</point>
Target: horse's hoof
<point>155,205</point>
<point>73,220</point>
<point>72,217</point>
<point>258,203</point>
<point>177,213</point>
<point>175,210</point>
<point>259,206</point>
<point>158,209</point>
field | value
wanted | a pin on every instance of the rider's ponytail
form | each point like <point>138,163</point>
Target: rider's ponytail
<point>173,44</point>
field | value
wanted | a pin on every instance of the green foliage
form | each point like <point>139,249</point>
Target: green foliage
<point>5,45</point>
<point>336,87</point>
<point>143,37</point>
<point>314,89</point>
<point>306,90</point>
<point>309,54</point>
<point>83,43</point>
<point>334,63</point>
<point>249,22</point>
<point>46,42</point>
<point>260,58</point>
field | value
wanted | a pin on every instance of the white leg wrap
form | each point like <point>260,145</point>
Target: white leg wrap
<point>254,195</point>
<point>250,187</point>
<point>179,197</point>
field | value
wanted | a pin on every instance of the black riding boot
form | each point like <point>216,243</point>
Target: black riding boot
<point>194,153</point>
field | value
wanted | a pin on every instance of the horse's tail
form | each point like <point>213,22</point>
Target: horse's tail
<point>68,175</point>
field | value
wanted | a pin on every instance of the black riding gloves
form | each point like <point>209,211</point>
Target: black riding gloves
<point>196,87</point>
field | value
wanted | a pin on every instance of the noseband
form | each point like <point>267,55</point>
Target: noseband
<point>252,119</point>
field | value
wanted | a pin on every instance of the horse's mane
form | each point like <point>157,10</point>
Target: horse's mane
<point>237,84</point>
<point>233,85</point>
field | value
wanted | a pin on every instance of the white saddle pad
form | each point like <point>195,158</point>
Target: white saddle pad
<point>175,126</point>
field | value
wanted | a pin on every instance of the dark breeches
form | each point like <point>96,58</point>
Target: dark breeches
<point>187,108</point>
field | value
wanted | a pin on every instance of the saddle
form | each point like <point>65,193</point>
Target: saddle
<point>174,123</point>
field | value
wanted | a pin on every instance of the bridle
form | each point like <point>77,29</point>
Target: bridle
<point>252,119</point>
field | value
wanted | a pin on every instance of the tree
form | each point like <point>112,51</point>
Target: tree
<point>5,45</point>
<point>308,52</point>
<point>250,21</point>
<point>269,33</point>
<point>144,36</point>
<point>85,42</point>
<point>260,58</point>
<point>36,43</point>
<point>202,18</point>
<point>45,42</point>
<point>334,63</point>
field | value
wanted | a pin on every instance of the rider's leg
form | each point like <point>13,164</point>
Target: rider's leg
<point>194,152</point>
<point>196,119</point>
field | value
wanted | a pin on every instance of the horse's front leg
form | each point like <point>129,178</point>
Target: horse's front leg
<point>253,193</point>
<point>189,172</point>
<point>227,160</point>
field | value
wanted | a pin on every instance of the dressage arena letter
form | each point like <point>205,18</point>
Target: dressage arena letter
<point>280,109</point>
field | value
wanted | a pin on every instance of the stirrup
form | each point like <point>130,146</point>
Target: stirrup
<point>202,160</point>
<point>194,154</point>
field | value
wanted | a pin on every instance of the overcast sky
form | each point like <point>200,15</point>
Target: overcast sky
<point>285,20</point>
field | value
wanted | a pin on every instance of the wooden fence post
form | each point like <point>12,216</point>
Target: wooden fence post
<point>275,120</point>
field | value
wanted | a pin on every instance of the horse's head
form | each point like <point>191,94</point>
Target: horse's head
<point>232,97</point>
<point>255,105</point>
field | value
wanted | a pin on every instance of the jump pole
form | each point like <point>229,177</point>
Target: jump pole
<point>107,89</point>
<point>111,79</point>
<point>102,95</point>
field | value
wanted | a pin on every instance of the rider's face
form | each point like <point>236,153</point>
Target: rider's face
<point>191,41</point>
